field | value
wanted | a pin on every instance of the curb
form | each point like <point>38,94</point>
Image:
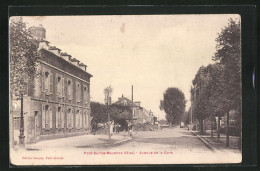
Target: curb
<point>206,142</point>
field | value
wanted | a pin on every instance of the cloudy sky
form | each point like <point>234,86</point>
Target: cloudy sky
<point>150,52</point>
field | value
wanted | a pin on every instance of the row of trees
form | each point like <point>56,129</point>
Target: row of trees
<point>217,87</point>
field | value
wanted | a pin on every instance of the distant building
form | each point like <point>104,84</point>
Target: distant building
<point>140,114</point>
<point>58,101</point>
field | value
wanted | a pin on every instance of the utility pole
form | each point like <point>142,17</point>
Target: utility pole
<point>21,136</point>
<point>107,92</point>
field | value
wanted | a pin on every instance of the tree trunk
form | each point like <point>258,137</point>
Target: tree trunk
<point>227,131</point>
<point>211,128</point>
<point>218,128</point>
<point>201,126</point>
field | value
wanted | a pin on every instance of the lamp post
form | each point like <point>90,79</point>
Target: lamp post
<point>21,136</point>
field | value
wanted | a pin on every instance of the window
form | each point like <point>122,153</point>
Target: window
<point>46,116</point>
<point>70,90</point>
<point>78,92</point>
<point>60,117</point>
<point>60,86</point>
<point>70,118</point>
<point>79,119</point>
<point>86,94</point>
<point>47,82</point>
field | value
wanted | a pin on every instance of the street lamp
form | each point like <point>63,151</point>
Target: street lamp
<point>21,136</point>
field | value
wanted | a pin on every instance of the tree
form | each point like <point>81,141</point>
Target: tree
<point>228,54</point>
<point>98,112</point>
<point>173,104</point>
<point>23,57</point>
<point>200,101</point>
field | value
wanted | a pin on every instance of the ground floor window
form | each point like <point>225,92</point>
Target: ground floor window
<point>46,116</point>
<point>60,117</point>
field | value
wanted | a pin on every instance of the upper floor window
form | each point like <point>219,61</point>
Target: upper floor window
<point>78,92</point>
<point>60,86</point>
<point>70,89</point>
<point>47,82</point>
<point>86,94</point>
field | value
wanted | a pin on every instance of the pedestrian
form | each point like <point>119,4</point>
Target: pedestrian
<point>111,128</point>
<point>119,127</point>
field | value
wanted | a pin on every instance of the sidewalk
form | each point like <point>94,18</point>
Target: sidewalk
<point>214,144</point>
<point>84,141</point>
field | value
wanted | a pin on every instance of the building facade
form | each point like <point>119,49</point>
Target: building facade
<point>58,100</point>
<point>140,114</point>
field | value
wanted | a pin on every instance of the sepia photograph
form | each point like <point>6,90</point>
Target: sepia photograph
<point>125,89</point>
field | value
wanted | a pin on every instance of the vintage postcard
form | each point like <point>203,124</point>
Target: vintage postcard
<point>125,89</point>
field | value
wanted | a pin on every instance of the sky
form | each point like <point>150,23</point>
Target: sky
<point>150,52</point>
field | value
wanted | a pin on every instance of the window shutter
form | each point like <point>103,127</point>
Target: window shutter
<point>68,89</point>
<point>46,82</point>
<point>68,119</point>
<point>71,89</point>
<point>77,91</point>
<point>50,115</point>
<point>57,117</point>
<point>62,87</point>
<point>81,119</point>
<point>72,119</point>
<point>84,119</point>
<point>87,120</point>
<point>76,120</point>
<point>51,83</point>
<point>62,118</point>
<point>43,116</point>
<point>43,81</point>
<point>57,85</point>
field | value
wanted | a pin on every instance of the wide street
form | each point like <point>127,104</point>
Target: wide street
<point>168,146</point>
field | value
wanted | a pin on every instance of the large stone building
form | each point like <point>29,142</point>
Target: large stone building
<point>58,101</point>
<point>140,114</point>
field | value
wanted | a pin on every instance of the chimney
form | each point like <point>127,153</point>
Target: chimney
<point>38,32</point>
<point>74,61</point>
<point>55,50</point>
<point>65,56</point>
<point>83,66</point>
